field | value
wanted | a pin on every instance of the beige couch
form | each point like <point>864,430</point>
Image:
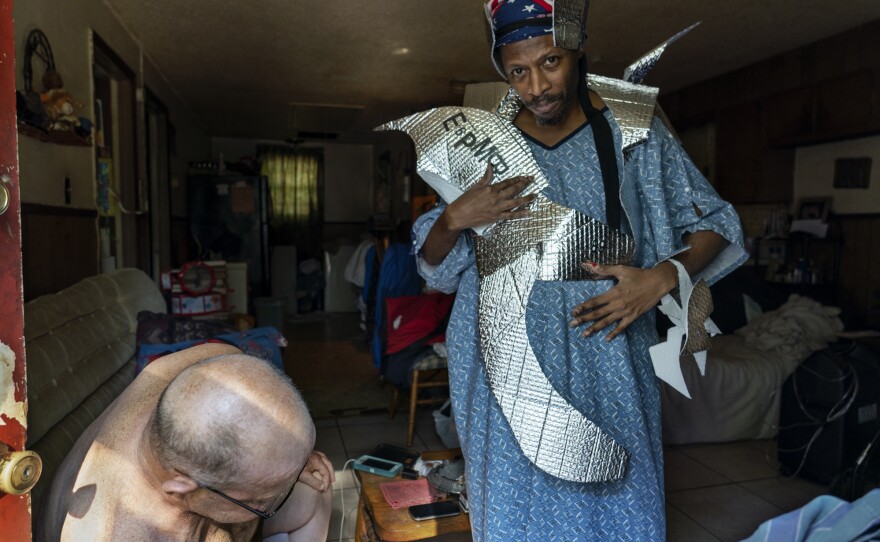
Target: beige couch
<point>80,348</point>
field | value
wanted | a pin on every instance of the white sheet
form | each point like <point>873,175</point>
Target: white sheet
<point>738,399</point>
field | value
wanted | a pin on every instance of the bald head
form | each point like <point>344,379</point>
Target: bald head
<point>224,420</point>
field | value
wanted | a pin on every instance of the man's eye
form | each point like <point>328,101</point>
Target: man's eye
<point>516,72</point>
<point>551,60</point>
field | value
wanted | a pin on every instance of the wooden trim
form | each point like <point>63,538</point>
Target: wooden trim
<point>40,209</point>
<point>854,216</point>
<point>113,56</point>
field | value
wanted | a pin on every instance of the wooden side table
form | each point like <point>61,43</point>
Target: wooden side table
<point>378,522</point>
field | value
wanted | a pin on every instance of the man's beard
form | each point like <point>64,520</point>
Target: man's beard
<point>559,116</point>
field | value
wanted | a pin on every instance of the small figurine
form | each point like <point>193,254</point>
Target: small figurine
<point>58,103</point>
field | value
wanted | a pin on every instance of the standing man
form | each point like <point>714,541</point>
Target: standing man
<point>591,337</point>
<point>206,444</point>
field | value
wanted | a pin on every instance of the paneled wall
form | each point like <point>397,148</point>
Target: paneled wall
<point>826,91</point>
<point>859,284</point>
<point>59,247</point>
<point>763,113</point>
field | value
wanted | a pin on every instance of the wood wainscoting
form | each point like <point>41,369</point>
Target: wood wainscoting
<point>859,283</point>
<point>59,247</point>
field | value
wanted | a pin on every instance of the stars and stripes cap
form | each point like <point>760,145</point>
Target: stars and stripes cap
<point>510,21</point>
<point>518,20</point>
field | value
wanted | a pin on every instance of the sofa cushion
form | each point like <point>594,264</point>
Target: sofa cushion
<point>80,345</point>
<point>54,446</point>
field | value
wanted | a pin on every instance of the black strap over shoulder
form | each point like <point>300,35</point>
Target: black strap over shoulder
<point>604,149</point>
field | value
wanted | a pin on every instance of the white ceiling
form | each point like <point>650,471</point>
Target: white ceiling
<point>239,65</point>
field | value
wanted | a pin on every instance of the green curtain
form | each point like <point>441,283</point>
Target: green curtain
<point>296,194</point>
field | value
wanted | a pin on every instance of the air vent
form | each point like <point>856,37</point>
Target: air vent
<point>317,119</point>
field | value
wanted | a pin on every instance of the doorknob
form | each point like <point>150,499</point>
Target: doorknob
<point>19,471</point>
<point>4,193</point>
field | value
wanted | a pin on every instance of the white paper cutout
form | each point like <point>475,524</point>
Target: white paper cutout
<point>666,355</point>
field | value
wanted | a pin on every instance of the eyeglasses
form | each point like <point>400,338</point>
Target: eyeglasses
<point>272,507</point>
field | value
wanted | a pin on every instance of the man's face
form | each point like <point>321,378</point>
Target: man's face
<point>545,77</point>
<point>262,488</point>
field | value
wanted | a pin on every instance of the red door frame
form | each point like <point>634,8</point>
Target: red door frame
<point>15,517</point>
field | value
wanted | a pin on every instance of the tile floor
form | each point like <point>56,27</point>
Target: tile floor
<point>714,492</point>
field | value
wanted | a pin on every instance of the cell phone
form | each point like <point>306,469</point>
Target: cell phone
<point>395,453</point>
<point>377,465</point>
<point>442,509</point>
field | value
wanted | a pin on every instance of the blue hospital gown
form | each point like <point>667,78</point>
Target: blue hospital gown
<point>613,384</point>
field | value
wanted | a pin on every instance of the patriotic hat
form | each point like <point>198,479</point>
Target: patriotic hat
<point>509,21</point>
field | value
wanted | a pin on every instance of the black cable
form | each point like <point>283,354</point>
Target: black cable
<point>849,484</point>
<point>837,411</point>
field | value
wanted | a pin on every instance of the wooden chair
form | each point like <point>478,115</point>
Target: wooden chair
<point>429,372</point>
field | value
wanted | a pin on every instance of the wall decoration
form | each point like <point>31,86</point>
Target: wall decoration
<point>50,114</point>
<point>840,170</point>
<point>813,209</point>
<point>852,173</point>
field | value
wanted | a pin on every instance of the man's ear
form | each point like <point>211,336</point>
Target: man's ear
<point>180,484</point>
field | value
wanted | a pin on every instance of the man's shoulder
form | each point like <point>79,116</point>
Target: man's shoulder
<point>167,367</point>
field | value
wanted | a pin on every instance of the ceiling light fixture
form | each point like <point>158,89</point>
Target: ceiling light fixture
<point>400,51</point>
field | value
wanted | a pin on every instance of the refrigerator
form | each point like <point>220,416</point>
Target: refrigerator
<point>229,221</point>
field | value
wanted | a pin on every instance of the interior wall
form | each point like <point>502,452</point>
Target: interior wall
<point>45,166</point>
<point>814,175</point>
<point>348,174</point>
<point>67,25</point>
<point>779,126</point>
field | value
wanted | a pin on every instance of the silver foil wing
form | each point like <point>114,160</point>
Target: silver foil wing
<point>633,106</point>
<point>454,145</point>
<point>570,23</point>
<point>638,70</point>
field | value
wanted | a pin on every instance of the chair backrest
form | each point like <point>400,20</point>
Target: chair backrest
<point>411,325</point>
<point>410,319</point>
<point>398,276</point>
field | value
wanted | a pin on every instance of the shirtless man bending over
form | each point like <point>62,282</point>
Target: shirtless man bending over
<point>200,446</point>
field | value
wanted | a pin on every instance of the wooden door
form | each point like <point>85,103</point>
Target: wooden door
<point>15,516</point>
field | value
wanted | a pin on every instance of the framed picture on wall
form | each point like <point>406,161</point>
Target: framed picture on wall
<point>813,209</point>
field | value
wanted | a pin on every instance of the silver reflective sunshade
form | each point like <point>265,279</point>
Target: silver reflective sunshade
<point>454,144</point>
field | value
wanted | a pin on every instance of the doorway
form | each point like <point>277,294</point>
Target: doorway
<point>158,171</point>
<point>123,196</point>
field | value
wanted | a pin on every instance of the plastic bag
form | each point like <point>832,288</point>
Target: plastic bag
<point>444,423</point>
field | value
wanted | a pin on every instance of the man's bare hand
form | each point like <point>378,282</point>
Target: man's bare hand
<point>318,474</point>
<point>487,203</point>
<point>636,292</point>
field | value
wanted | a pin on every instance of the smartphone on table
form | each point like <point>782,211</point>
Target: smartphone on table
<point>377,465</point>
<point>442,509</point>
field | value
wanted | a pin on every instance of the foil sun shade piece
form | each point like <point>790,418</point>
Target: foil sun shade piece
<point>638,70</point>
<point>570,23</point>
<point>454,145</point>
